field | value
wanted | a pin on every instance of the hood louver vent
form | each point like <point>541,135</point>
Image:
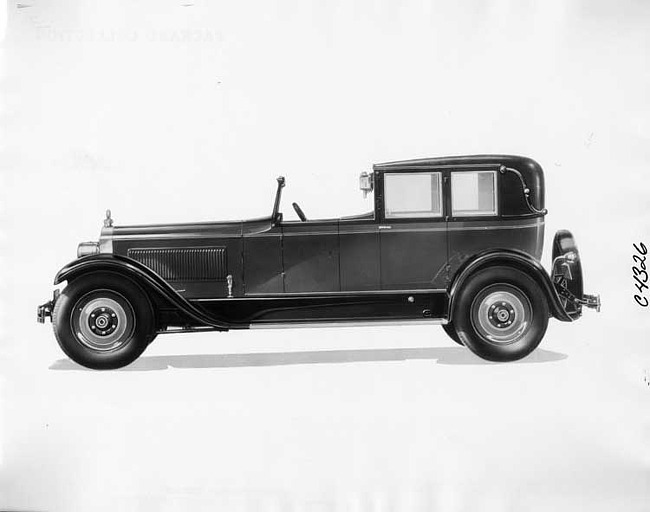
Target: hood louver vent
<point>201,264</point>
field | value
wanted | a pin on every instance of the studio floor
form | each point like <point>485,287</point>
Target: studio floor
<point>368,419</point>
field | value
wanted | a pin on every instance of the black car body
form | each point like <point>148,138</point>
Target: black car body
<point>443,233</point>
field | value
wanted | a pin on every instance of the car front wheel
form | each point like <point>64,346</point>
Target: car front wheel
<point>501,314</point>
<point>103,321</point>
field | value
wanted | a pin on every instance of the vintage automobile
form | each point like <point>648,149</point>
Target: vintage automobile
<point>455,241</point>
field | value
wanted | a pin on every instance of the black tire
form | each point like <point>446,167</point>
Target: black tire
<point>103,321</point>
<point>450,329</point>
<point>501,314</point>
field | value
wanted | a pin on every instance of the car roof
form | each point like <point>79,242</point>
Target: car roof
<point>470,160</point>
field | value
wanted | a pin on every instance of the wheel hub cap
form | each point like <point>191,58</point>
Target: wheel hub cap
<point>101,323</point>
<point>502,315</point>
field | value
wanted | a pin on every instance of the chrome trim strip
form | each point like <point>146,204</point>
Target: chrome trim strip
<point>107,233</point>
<point>181,330</point>
<point>171,236</point>
<point>352,323</point>
<point>364,232</point>
<point>311,233</point>
<point>290,295</point>
<point>492,228</point>
<point>397,228</point>
<point>426,164</point>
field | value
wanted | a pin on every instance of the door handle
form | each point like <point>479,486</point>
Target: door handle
<point>385,227</point>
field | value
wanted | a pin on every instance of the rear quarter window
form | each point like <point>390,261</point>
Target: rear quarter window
<point>473,193</point>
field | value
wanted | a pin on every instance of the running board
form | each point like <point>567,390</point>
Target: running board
<point>311,325</point>
<point>338,323</point>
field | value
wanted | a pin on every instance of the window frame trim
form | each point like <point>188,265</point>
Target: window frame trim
<point>469,213</point>
<point>410,216</point>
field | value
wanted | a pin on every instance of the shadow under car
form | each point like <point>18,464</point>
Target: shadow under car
<point>441,355</point>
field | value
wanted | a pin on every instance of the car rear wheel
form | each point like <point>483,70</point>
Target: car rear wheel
<point>450,329</point>
<point>501,314</point>
<point>103,321</point>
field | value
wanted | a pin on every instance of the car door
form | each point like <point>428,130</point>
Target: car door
<point>262,255</point>
<point>310,256</point>
<point>359,253</point>
<point>412,230</point>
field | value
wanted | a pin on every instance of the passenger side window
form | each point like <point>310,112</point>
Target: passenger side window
<point>473,193</point>
<point>412,194</point>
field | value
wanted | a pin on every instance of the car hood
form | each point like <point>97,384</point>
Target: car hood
<point>188,230</point>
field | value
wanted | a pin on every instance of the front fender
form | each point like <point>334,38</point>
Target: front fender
<point>517,259</point>
<point>142,275</point>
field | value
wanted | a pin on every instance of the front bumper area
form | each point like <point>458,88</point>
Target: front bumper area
<point>45,310</point>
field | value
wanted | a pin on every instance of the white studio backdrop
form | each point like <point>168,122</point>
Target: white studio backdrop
<point>187,110</point>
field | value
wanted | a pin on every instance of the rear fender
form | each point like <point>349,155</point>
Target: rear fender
<point>142,275</point>
<point>510,258</point>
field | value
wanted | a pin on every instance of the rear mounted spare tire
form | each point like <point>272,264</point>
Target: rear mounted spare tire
<point>566,265</point>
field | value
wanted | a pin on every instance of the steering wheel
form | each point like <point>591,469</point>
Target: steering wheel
<point>299,212</point>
